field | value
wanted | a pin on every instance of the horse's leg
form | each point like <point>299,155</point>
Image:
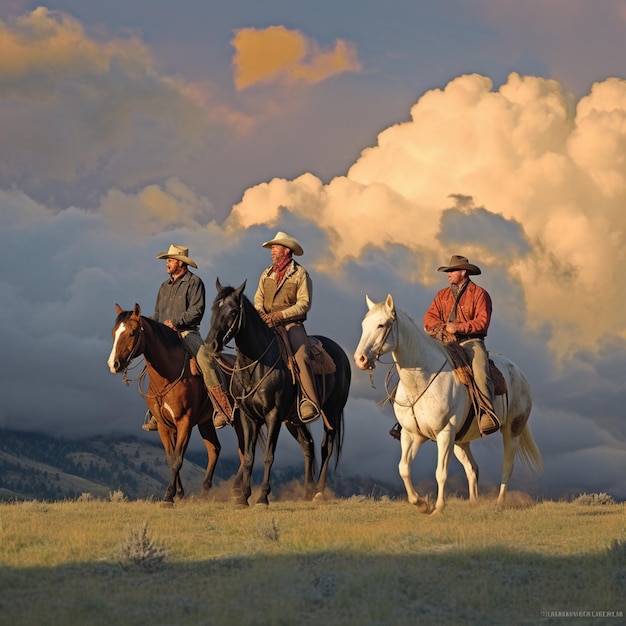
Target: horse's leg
<point>445,445</point>
<point>511,446</point>
<point>304,438</point>
<point>183,433</point>
<point>168,439</point>
<point>328,441</point>
<point>213,448</point>
<point>242,487</point>
<point>273,430</point>
<point>240,451</point>
<point>410,445</point>
<point>463,453</point>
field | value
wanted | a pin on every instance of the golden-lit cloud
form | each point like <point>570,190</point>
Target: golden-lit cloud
<point>544,185</point>
<point>279,54</point>
<point>73,106</point>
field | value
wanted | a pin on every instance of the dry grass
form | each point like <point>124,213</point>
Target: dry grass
<point>355,561</point>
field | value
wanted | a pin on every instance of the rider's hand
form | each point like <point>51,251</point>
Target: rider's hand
<point>271,319</point>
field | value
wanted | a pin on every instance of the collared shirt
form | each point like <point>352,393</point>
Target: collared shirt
<point>182,301</point>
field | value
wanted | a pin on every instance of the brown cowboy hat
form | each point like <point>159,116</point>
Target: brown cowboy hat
<point>458,262</point>
<point>177,252</point>
<point>283,239</point>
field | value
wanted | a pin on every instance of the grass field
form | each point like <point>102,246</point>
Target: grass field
<point>355,562</point>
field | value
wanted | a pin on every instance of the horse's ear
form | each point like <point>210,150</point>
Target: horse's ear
<point>137,310</point>
<point>389,303</point>
<point>218,285</point>
<point>241,287</point>
<point>118,309</point>
<point>369,302</point>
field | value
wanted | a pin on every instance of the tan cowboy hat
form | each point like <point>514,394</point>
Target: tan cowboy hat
<point>283,239</point>
<point>458,262</point>
<point>177,252</point>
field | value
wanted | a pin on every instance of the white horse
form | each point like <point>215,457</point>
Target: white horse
<point>431,404</point>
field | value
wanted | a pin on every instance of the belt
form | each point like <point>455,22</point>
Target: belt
<point>468,337</point>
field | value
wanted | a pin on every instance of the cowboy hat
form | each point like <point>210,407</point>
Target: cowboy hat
<point>177,252</point>
<point>458,262</point>
<point>283,239</point>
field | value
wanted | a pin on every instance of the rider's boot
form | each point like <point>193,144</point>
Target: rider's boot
<point>150,422</point>
<point>488,422</point>
<point>395,431</point>
<point>309,411</point>
<point>223,411</point>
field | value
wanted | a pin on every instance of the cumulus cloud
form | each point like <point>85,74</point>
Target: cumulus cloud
<point>279,54</point>
<point>80,111</point>
<point>525,180</point>
<point>513,178</point>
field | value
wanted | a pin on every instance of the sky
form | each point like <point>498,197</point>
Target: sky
<point>385,137</point>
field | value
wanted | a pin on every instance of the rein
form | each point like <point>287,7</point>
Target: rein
<point>232,331</point>
<point>390,395</point>
<point>142,375</point>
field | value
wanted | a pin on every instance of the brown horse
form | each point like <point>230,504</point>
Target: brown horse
<point>176,397</point>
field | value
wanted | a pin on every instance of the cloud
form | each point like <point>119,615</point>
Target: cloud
<point>82,112</point>
<point>279,54</point>
<point>539,201</point>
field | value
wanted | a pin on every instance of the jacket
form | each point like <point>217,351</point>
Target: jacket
<point>473,312</point>
<point>292,296</point>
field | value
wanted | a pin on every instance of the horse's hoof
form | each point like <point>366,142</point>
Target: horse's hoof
<point>318,496</point>
<point>422,506</point>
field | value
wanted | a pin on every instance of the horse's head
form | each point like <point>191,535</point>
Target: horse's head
<point>127,339</point>
<point>377,335</point>
<point>226,316</point>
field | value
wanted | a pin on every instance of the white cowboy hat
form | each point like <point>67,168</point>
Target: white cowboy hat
<point>458,262</point>
<point>283,239</point>
<point>177,252</point>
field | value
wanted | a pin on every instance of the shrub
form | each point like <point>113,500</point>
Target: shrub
<point>139,550</point>
<point>592,499</point>
<point>117,496</point>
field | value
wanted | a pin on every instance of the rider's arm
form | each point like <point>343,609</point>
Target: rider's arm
<point>191,316</point>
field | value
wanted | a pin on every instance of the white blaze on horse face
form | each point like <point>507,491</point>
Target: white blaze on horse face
<point>111,362</point>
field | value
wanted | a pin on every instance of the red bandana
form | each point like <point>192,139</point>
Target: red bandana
<point>280,268</point>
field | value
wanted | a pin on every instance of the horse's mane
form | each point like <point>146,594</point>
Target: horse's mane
<point>165,335</point>
<point>416,333</point>
<point>226,291</point>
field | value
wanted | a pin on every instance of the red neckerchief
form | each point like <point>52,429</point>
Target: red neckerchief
<point>281,268</point>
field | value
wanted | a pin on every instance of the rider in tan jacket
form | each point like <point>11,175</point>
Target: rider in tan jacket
<point>283,298</point>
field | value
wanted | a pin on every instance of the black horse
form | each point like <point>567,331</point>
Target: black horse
<point>264,389</point>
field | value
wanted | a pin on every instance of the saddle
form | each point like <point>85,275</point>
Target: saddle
<point>463,370</point>
<point>321,362</point>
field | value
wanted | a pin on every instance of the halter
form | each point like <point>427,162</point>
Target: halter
<point>388,327</point>
<point>131,356</point>
<point>235,327</point>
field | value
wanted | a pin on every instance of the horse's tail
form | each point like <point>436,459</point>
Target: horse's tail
<point>338,439</point>
<point>529,452</point>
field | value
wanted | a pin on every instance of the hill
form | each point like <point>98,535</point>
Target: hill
<point>39,467</point>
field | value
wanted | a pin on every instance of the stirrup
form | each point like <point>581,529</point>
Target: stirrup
<point>305,419</point>
<point>149,422</point>
<point>487,424</point>
<point>395,431</point>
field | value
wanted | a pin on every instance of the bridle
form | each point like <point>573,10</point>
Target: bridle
<point>131,356</point>
<point>231,332</point>
<point>235,327</point>
<point>389,325</point>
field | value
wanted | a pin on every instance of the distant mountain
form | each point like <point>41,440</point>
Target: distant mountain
<point>39,467</point>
